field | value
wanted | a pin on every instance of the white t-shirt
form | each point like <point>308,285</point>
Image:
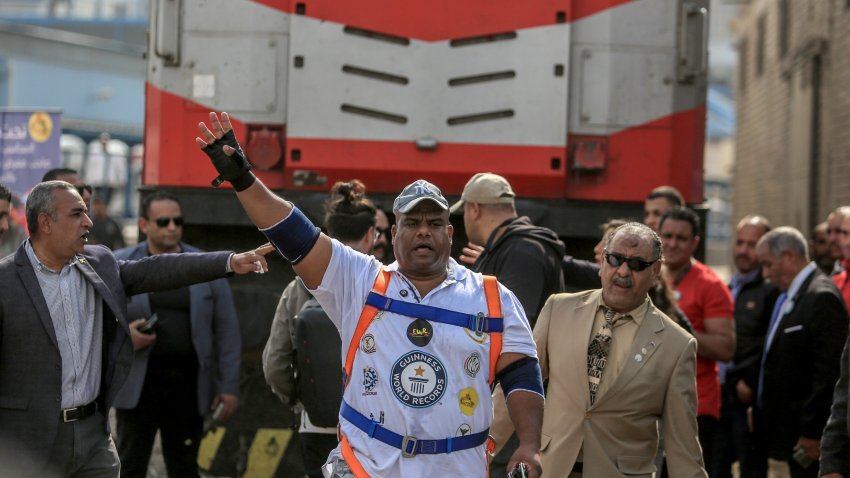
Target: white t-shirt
<point>423,379</point>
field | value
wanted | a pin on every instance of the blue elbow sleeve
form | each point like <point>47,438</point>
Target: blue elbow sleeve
<point>294,236</point>
<point>524,374</point>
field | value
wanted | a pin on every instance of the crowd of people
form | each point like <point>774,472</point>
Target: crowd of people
<point>640,362</point>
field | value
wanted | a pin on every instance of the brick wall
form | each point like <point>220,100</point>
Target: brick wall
<point>774,169</point>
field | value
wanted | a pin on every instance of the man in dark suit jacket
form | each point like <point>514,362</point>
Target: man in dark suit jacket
<point>65,346</point>
<point>802,351</point>
<point>186,367</point>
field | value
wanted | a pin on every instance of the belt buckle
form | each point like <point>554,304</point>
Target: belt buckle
<point>65,417</point>
<point>408,443</point>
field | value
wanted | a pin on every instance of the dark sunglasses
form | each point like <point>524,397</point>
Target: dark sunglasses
<point>636,264</point>
<point>84,188</point>
<point>163,221</point>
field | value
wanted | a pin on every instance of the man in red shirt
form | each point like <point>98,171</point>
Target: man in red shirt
<point>707,303</point>
<point>841,279</point>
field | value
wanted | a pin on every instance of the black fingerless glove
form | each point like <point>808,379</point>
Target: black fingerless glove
<point>236,169</point>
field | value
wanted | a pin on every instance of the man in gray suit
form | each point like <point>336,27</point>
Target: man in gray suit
<point>186,366</point>
<point>65,346</point>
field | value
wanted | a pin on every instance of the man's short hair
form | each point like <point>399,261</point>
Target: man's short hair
<point>5,194</point>
<point>682,214</point>
<point>156,196</point>
<point>783,239</point>
<point>640,230</point>
<point>671,194</point>
<point>42,199</point>
<point>54,174</point>
<point>843,211</point>
<point>755,220</point>
<point>612,224</point>
<point>819,229</point>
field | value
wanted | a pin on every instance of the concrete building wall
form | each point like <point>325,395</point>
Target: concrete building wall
<point>793,137</point>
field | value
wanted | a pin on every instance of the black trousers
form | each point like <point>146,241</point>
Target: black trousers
<point>315,448</point>
<point>733,442</point>
<point>707,429</point>
<point>169,404</point>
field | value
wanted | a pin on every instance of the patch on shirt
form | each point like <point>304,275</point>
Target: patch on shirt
<point>367,344</point>
<point>420,332</point>
<point>463,430</point>
<point>472,364</point>
<point>370,381</point>
<point>418,379</point>
<point>479,337</point>
<point>468,401</point>
<point>380,419</point>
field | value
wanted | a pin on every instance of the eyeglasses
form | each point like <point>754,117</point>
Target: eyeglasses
<point>636,264</point>
<point>84,188</point>
<point>380,232</point>
<point>163,221</point>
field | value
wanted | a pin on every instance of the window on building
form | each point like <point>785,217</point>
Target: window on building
<point>784,26</point>
<point>760,39</point>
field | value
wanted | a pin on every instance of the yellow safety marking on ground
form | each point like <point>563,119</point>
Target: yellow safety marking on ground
<point>209,447</point>
<point>266,452</point>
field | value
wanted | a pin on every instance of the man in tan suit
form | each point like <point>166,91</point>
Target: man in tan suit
<point>645,370</point>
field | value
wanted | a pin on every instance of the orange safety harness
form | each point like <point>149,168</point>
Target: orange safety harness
<point>382,282</point>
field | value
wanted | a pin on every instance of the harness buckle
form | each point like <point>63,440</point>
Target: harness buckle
<point>478,323</point>
<point>408,446</point>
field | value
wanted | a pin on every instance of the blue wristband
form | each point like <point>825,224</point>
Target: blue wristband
<point>294,236</point>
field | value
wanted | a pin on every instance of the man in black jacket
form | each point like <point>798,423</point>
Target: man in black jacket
<point>524,257</point>
<point>754,299</point>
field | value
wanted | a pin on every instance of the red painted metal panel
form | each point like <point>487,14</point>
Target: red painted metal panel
<point>437,20</point>
<point>665,151</point>
<point>171,156</point>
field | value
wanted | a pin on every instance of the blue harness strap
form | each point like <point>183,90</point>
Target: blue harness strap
<point>411,446</point>
<point>477,323</point>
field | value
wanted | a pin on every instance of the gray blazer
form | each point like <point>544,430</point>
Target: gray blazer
<point>215,337</point>
<point>30,364</point>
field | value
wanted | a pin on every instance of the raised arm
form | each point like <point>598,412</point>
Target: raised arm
<point>284,225</point>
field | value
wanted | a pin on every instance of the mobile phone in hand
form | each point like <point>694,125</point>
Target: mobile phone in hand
<point>802,458</point>
<point>520,471</point>
<point>147,327</point>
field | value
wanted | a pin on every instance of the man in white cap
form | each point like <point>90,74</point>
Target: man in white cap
<point>526,258</point>
<point>422,339</point>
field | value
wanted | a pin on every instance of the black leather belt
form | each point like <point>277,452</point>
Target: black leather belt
<point>578,467</point>
<point>78,413</point>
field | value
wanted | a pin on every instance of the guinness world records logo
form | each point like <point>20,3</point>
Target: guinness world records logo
<point>418,379</point>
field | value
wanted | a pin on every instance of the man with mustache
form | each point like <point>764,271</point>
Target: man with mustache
<point>423,339</point>
<point>615,364</point>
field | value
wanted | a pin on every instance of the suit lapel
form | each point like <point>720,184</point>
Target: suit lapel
<point>33,288</point>
<point>576,327</point>
<point>646,342</point>
<point>92,276</point>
